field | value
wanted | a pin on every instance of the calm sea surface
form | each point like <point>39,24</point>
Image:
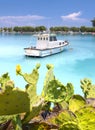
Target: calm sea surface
<point>72,65</point>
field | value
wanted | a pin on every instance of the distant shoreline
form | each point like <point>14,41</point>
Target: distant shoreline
<point>57,32</point>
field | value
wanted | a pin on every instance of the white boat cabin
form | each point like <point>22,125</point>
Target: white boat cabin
<point>45,41</point>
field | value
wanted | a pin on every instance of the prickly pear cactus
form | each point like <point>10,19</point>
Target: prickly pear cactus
<point>86,118</point>
<point>14,100</point>
<point>35,101</point>
<point>57,92</point>
<point>69,91</point>
<point>49,77</point>
<point>76,102</point>
<point>82,119</point>
<point>54,90</point>
<point>64,120</point>
<point>31,79</point>
<point>11,98</point>
<point>34,110</point>
<point>87,88</point>
<point>65,116</point>
<point>3,80</point>
<point>70,126</point>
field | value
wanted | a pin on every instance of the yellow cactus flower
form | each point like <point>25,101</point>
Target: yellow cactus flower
<point>18,69</point>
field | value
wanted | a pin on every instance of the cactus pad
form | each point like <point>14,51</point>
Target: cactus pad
<point>76,102</point>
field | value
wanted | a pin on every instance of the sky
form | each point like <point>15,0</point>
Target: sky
<point>47,13</point>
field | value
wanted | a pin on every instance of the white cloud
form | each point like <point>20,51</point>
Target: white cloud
<point>29,17</point>
<point>74,17</point>
<point>19,20</point>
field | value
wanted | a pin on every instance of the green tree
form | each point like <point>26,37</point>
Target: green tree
<point>40,28</point>
<point>17,29</point>
<point>75,29</point>
<point>83,29</point>
<point>5,29</point>
<point>10,29</point>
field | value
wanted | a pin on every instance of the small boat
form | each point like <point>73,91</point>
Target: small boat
<point>47,44</point>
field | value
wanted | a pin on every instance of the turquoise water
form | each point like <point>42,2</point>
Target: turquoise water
<point>72,65</point>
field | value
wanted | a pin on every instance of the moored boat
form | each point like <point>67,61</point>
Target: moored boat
<point>47,44</point>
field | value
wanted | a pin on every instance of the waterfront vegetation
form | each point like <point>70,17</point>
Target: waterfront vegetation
<point>26,110</point>
<point>59,29</point>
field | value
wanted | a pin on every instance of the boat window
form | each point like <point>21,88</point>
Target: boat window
<point>53,38</point>
<point>50,38</point>
<point>59,43</point>
<point>46,38</point>
<point>38,38</point>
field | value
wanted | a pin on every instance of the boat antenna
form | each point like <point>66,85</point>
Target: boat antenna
<point>48,28</point>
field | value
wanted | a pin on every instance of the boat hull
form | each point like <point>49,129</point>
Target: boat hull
<point>43,52</point>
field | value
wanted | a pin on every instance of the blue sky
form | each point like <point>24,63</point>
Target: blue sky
<point>46,12</point>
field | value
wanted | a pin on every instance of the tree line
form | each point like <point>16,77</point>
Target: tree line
<point>52,29</point>
<point>23,29</point>
<point>73,29</point>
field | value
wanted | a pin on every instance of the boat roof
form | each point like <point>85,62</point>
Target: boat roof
<point>47,34</point>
